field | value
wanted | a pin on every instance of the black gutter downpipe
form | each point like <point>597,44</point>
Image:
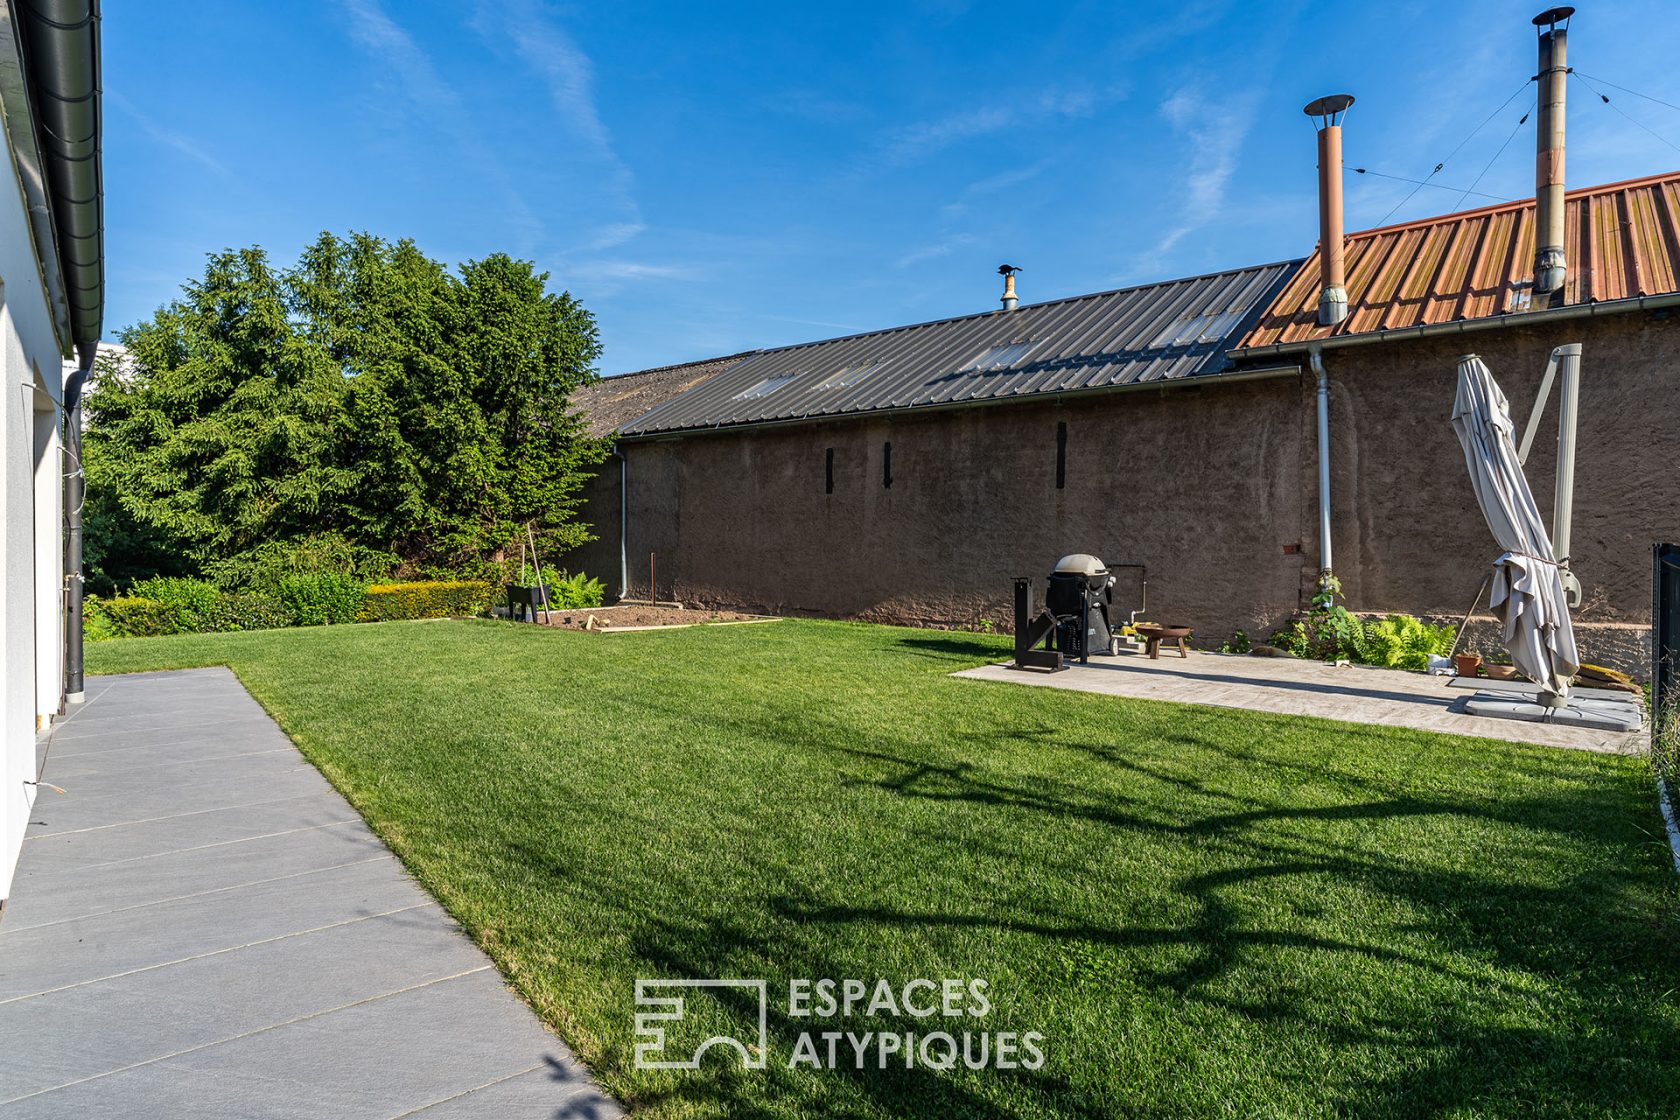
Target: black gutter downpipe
<point>75,490</point>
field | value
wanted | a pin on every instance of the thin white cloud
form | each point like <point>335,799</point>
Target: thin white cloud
<point>1214,132</point>
<point>933,252</point>
<point>925,138</point>
<point>396,51</point>
<point>545,49</point>
<point>1002,181</point>
<point>634,270</point>
<point>168,138</point>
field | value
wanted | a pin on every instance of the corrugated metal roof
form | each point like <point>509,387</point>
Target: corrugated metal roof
<point>608,403</point>
<point>1160,332</point>
<point>1622,240</point>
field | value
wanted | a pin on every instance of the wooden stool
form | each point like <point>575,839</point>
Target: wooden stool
<point>1153,636</point>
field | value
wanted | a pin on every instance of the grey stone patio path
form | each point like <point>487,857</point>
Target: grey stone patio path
<point>1356,693</point>
<point>202,927</point>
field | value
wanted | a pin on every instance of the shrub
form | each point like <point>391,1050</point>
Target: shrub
<point>193,599</point>
<point>1403,642</point>
<point>1329,631</point>
<point>96,624</point>
<point>575,592</point>
<point>266,566</point>
<point>320,598</point>
<point>389,602</point>
<point>248,610</point>
<point>128,616</point>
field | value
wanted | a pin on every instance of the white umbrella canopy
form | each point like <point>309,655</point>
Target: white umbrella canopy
<point>1528,595</point>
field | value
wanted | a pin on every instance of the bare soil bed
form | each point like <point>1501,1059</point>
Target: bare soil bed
<point>626,617</point>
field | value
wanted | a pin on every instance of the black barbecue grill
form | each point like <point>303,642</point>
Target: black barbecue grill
<point>1075,621</point>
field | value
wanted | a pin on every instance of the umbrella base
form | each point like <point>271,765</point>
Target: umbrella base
<point>1597,715</point>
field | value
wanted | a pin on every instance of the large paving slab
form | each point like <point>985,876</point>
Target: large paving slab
<point>1289,686</point>
<point>202,927</point>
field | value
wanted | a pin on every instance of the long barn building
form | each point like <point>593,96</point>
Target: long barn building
<point>908,474</point>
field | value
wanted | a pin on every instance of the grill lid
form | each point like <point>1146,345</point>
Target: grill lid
<point>1080,563</point>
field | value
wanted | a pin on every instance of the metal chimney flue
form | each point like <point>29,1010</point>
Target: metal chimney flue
<point>1010,300</point>
<point>1550,264</point>
<point>1332,297</point>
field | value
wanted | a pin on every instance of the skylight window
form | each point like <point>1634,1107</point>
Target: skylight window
<point>995,358</point>
<point>851,375</point>
<point>1210,326</point>
<point>764,388</point>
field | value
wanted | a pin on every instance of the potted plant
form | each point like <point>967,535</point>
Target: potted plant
<point>1467,663</point>
<point>1500,669</point>
<point>526,597</point>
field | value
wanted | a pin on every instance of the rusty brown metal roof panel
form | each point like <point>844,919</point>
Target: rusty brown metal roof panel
<point>1623,238</point>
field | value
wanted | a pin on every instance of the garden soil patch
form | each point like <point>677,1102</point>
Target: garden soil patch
<point>623,618</point>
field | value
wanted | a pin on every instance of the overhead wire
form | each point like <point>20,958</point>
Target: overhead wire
<point>1483,174</point>
<point>1624,89</point>
<point>1637,124</point>
<point>1425,181</point>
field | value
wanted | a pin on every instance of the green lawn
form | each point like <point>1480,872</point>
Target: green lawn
<point>1205,912</point>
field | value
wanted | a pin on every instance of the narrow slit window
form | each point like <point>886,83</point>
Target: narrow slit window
<point>886,464</point>
<point>828,475</point>
<point>1061,454</point>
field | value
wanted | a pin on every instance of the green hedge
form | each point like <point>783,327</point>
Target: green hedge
<point>249,610</point>
<point>129,616</point>
<point>321,598</point>
<point>187,606</point>
<point>388,602</point>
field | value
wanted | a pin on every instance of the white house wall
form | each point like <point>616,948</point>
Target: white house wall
<point>31,645</point>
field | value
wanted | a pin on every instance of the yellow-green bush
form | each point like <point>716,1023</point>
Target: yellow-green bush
<point>388,602</point>
<point>128,616</point>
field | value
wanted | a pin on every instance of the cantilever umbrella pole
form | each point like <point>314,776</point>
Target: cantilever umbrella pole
<point>1563,497</point>
<point>1565,360</point>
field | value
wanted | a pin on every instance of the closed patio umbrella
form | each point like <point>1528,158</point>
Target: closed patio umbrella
<point>1527,594</point>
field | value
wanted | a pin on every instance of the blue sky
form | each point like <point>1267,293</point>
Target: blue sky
<point>716,177</point>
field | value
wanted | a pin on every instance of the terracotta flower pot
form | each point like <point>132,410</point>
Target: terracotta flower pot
<point>1500,672</point>
<point>1467,664</point>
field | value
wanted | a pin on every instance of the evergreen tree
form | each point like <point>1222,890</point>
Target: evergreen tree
<point>364,395</point>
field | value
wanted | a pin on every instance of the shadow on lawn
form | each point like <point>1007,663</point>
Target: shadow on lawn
<point>955,649</point>
<point>1603,955</point>
<point>1478,988</point>
<point>673,949</point>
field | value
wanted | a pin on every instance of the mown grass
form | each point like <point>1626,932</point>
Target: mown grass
<point>1207,913</point>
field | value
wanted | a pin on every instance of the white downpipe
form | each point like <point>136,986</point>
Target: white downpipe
<point>623,523</point>
<point>1326,560</point>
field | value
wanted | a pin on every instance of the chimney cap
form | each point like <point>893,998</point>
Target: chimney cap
<point>1329,106</point>
<point>1551,17</point>
<point>1007,270</point>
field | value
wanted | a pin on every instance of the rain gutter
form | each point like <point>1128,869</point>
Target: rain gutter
<point>1266,374</point>
<point>1466,326</point>
<point>58,41</point>
<point>623,522</point>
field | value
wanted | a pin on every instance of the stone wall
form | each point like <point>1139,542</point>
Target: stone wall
<point>1212,487</point>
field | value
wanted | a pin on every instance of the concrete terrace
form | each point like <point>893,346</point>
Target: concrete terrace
<point>202,927</point>
<point>1353,694</point>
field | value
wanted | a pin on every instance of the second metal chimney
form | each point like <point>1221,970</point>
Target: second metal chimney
<point>1332,298</point>
<point>1549,262</point>
<point>1010,300</point>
